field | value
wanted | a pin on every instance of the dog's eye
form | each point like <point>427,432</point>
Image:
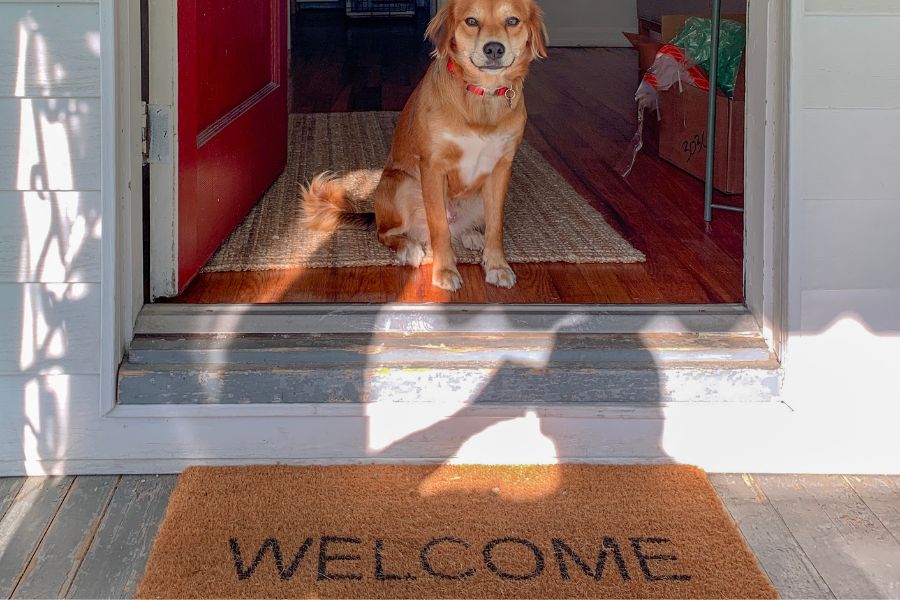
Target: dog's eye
<point>472,22</point>
<point>512,22</point>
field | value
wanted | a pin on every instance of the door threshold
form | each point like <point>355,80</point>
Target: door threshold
<point>229,319</point>
<point>403,369</point>
<point>327,355</point>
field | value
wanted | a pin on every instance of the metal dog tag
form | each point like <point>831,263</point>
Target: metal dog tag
<point>510,96</point>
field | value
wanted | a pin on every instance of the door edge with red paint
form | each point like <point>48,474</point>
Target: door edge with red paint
<point>177,251</point>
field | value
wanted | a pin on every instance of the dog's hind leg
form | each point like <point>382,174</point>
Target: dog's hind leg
<point>400,218</point>
<point>473,239</point>
<point>467,222</point>
<point>409,252</point>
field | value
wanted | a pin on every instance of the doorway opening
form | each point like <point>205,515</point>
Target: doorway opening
<point>582,116</point>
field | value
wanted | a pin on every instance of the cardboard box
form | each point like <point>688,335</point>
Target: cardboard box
<point>683,136</point>
<point>647,48</point>
<point>682,129</point>
<point>648,42</point>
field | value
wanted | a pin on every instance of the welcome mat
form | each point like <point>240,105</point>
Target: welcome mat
<point>572,531</point>
<point>546,219</point>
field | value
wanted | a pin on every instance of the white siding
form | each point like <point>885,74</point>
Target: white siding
<point>62,45</point>
<point>862,71</point>
<point>50,223</point>
<point>844,281</point>
<point>54,237</point>
<point>54,144</point>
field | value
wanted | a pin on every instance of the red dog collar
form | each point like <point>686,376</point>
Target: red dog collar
<point>505,92</point>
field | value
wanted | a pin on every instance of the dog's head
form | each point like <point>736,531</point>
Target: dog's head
<point>490,37</point>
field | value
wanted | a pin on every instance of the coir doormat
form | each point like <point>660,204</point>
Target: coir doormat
<point>572,531</point>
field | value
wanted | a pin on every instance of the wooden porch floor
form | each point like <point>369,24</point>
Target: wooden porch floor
<point>88,537</point>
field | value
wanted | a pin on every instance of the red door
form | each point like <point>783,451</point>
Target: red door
<point>232,118</point>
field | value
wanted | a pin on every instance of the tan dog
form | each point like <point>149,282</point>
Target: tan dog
<point>449,167</point>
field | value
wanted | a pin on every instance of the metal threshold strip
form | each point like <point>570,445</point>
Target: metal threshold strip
<point>178,319</point>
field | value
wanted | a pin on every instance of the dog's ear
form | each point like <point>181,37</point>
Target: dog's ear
<point>439,32</point>
<point>538,33</point>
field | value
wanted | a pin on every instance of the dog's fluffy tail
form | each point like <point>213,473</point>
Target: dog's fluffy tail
<point>326,206</point>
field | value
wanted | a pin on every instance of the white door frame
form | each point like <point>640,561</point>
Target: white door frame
<point>766,156</point>
<point>169,437</point>
<point>163,146</point>
<point>765,142</point>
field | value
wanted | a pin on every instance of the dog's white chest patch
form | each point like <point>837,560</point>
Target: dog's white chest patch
<point>479,154</point>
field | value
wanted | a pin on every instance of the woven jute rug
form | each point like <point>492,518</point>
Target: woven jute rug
<point>573,531</point>
<point>546,220</point>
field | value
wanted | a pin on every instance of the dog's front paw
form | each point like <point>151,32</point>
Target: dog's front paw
<point>411,254</point>
<point>447,279</point>
<point>500,275</point>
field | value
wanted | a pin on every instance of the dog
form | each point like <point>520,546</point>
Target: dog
<point>451,157</point>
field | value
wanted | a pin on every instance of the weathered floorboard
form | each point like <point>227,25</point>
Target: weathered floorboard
<point>882,496</point>
<point>56,561</point>
<point>856,556</point>
<point>116,559</point>
<point>9,487</point>
<point>776,549</point>
<point>25,524</point>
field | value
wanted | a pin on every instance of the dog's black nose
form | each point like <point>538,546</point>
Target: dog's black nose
<point>494,50</point>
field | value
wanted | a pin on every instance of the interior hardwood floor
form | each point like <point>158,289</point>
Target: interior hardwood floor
<point>581,118</point>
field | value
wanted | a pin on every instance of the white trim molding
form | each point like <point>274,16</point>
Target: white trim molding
<point>766,155</point>
<point>122,276</point>
<point>111,338</point>
<point>163,100</point>
<point>723,437</point>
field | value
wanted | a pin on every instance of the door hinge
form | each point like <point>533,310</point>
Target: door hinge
<point>145,133</point>
<point>156,134</point>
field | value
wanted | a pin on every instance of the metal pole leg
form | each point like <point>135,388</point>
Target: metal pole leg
<point>711,117</point>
